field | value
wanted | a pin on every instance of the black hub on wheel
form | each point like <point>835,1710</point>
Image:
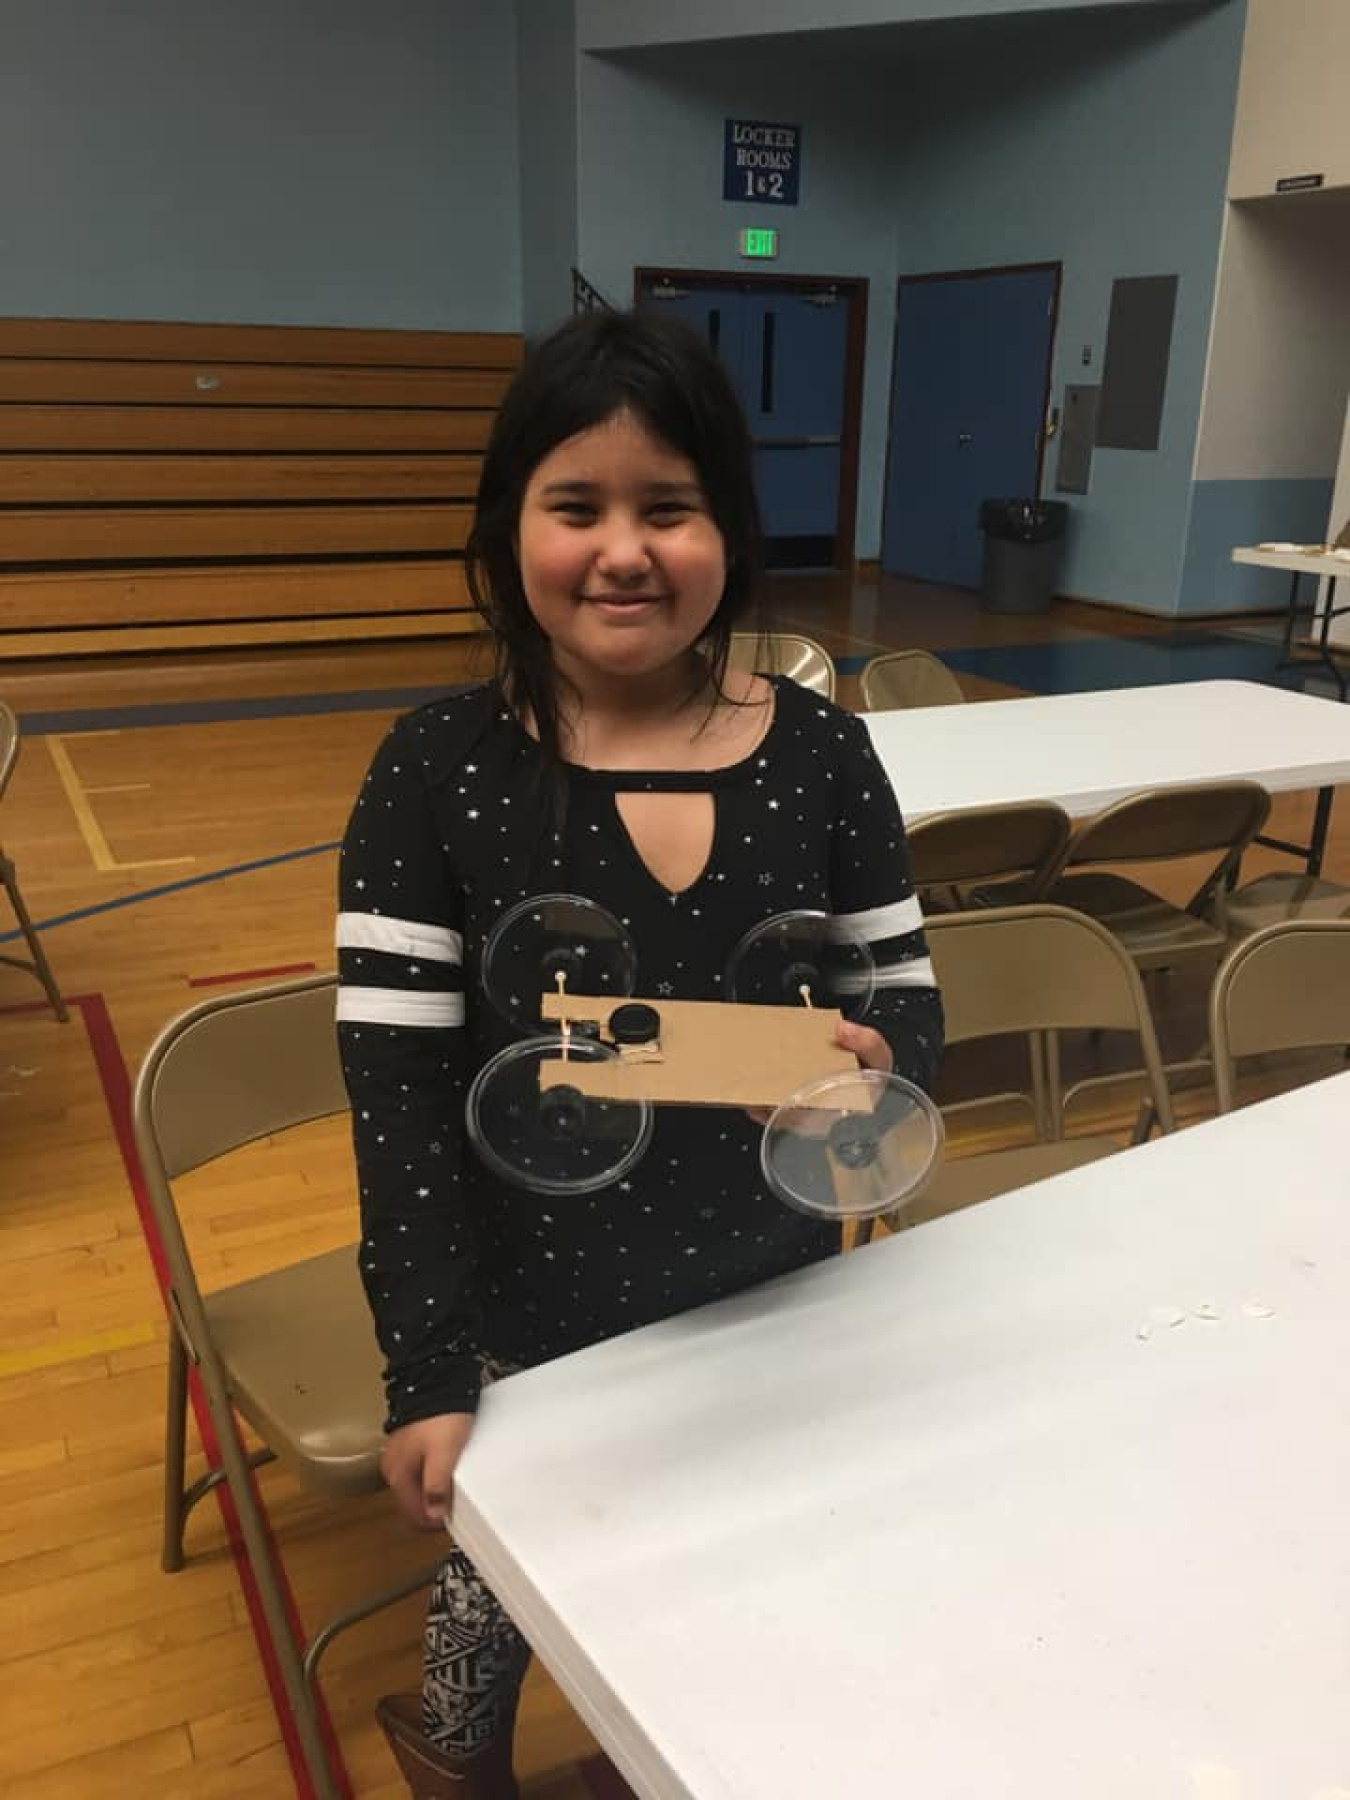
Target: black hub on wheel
<point>562,1114</point>
<point>854,1143</point>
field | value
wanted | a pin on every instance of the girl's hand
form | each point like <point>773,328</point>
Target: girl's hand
<point>418,1464</point>
<point>870,1048</point>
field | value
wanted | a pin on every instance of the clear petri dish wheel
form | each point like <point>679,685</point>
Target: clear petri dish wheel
<point>554,935</point>
<point>552,1139</point>
<point>852,1146</point>
<point>798,955</point>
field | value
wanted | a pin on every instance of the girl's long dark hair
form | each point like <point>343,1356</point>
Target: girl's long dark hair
<point>597,365</point>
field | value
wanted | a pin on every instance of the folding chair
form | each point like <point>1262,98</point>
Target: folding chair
<point>1283,894</point>
<point>1026,970</point>
<point>1284,988</point>
<point>987,855</point>
<point>1217,819</point>
<point>905,678</point>
<point>292,1352</point>
<point>9,880</point>
<point>802,659</point>
<point>1213,819</point>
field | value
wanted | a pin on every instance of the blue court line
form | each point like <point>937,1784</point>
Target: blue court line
<point>214,712</point>
<point>1042,668</point>
<point>1091,664</point>
<point>1081,665</point>
<point>173,887</point>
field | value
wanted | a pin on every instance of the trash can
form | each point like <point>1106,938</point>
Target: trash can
<point>1023,542</point>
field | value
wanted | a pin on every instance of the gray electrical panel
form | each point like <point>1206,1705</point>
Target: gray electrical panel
<point>1077,435</point>
<point>1134,368</point>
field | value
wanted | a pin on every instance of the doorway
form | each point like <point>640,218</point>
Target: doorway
<point>970,393</point>
<point>793,346</point>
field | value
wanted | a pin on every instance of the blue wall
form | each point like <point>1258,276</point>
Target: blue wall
<point>548,161</point>
<point>1096,139</point>
<point>1102,143</point>
<point>616,24</point>
<point>285,161</point>
<point>327,161</point>
<point>650,180</point>
<point>1224,513</point>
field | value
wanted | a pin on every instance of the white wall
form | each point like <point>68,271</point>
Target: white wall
<point>1340,503</point>
<point>1279,360</point>
<point>1293,113</point>
<point>1338,522</point>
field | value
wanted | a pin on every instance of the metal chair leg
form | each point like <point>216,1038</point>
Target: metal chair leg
<point>39,965</point>
<point>1054,1087</point>
<point>175,1457</point>
<point>300,1697</point>
<point>410,1584</point>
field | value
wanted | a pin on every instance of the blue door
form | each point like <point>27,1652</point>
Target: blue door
<point>785,351</point>
<point>968,401</point>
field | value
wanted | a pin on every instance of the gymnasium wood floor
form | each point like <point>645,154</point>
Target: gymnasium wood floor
<point>169,859</point>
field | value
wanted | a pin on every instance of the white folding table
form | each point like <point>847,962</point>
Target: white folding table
<point>1043,1500</point>
<point>1087,750</point>
<point>1324,565</point>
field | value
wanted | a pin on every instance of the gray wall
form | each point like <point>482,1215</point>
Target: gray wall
<point>283,161</point>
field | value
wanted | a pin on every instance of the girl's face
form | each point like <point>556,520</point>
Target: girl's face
<point>621,562</point>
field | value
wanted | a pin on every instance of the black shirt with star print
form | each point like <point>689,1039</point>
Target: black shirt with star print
<point>447,833</point>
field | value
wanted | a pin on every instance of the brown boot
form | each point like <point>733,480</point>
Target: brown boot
<point>433,1774</point>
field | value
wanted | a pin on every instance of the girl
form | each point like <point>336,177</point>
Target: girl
<point>614,755</point>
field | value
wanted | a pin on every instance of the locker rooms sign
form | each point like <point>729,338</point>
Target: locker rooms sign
<point>761,162</point>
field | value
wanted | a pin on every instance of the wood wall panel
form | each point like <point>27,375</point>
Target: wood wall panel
<point>108,597</point>
<point>64,477</point>
<point>158,341</point>
<point>166,476</point>
<point>189,534</point>
<point>131,641</point>
<point>240,428</point>
<point>82,383</point>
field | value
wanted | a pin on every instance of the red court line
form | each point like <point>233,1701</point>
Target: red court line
<point>112,1072</point>
<point>604,1780</point>
<point>252,975</point>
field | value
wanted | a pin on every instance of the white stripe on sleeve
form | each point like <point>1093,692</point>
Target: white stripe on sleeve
<point>917,972</point>
<point>878,922</point>
<point>399,1006</point>
<point>399,937</point>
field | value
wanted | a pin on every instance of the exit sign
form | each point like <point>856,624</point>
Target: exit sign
<point>759,240</point>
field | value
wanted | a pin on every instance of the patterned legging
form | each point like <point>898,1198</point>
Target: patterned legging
<point>474,1659</point>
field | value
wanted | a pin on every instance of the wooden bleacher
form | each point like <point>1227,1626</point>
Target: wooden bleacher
<point>186,486</point>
